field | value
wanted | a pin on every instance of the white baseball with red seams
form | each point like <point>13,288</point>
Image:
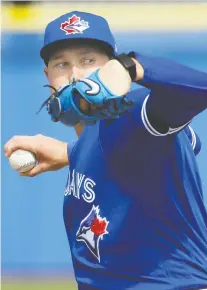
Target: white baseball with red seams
<point>22,161</point>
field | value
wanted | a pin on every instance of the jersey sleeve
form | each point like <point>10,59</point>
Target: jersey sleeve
<point>137,126</point>
<point>140,119</point>
<point>132,126</point>
<point>154,123</point>
<point>194,139</point>
<point>178,94</point>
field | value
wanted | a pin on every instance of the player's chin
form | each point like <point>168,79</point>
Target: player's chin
<point>88,108</point>
<point>84,106</point>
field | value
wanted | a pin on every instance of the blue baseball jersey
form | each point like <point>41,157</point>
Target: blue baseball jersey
<point>133,207</point>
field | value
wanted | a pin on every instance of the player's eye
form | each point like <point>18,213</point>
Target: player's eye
<point>88,61</point>
<point>62,64</point>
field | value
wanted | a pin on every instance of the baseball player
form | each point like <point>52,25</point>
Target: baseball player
<point>133,208</point>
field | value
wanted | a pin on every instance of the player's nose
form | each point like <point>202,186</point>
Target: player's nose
<point>77,73</point>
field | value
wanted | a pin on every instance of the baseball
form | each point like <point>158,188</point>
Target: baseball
<point>22,161</point>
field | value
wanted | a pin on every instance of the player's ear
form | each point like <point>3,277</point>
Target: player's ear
<point>46,71</point>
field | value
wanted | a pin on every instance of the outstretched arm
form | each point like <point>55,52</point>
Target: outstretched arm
<point>178,93</point>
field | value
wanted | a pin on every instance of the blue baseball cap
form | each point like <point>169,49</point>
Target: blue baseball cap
<point>77,25</point>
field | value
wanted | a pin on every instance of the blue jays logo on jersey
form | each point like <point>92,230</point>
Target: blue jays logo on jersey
<point>91,231</point>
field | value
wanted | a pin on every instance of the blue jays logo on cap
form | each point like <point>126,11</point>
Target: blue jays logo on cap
<point>92,229</point>
<point>74,25</point>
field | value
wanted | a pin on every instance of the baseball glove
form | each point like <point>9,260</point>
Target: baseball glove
<point>100,96</point>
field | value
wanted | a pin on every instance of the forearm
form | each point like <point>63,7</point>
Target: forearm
<point>156,71</point>
<point>178,93</point>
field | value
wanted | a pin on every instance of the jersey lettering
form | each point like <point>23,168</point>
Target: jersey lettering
<point>80,185</point>
<point>88,185</point>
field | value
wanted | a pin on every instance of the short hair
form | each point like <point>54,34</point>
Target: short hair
<point>67,43</point>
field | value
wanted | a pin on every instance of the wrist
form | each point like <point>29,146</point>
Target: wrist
<point>133,67</point>
<point>139,71</point>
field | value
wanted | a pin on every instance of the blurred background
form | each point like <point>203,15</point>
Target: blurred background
<point>35,252</point>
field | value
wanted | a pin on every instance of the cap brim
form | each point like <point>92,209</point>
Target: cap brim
<point>49,49</point>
